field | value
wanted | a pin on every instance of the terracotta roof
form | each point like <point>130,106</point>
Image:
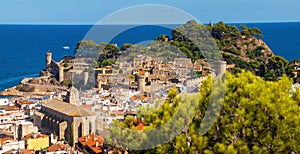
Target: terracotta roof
<point>90,141</point>
<point>25,151</point>
<point>140,126</point>
<point>12,108</point>
<point>67,108</point>
<point>58,147</point>
<point>3,140</point>
<point>142,72</point>
<point>139,98</point>
<point>87,106</point>
<point>5,114</point>
<point>22,151</point>
<point>25,103</point>
<point>133,84</point>
<point>30,136</point>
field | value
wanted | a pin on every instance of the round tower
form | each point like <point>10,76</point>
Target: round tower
<point>220,68</point>
<point>48,58</point>
<point>61,73</point>
<point>141,82</point>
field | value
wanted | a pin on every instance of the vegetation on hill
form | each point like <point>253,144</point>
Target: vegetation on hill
<point>241,47</point>
<point>25,88</point>
<point>258,116</point>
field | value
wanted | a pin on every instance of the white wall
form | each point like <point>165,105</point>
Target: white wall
<point>3,101</point>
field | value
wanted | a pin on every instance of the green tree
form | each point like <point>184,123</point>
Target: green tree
<point>162,38</point>
<point>276,67</point>
<point>245,30</point>
<point>258,116</point>
<point>126,46</point>
<point>71,135</point>
<point>85,46</point>
<point>255,32</point>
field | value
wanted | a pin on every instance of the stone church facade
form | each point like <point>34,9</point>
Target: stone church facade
<point>67,120</point>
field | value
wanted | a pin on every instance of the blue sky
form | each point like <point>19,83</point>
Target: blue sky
<point>91,11</point>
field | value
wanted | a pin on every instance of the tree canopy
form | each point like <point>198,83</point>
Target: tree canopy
<point>258,116</point>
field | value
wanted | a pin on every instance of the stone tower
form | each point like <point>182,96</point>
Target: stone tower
<point>220,67</point>
<point>60,73</point>
<point>48,59</point>
<point>73,96</point>
<point>141,82</point>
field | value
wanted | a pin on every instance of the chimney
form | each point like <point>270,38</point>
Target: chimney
<point>86,139</point>
<point>97,144</point>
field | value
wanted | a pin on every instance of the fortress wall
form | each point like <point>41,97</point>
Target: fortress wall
<point>195,81</point>
<point>54,69</point>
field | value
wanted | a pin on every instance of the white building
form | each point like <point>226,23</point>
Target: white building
<point>3,101</point>
<point>8,144</point>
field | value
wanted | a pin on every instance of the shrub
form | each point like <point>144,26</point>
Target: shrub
<point>66,65</point>
<point>25,88</point>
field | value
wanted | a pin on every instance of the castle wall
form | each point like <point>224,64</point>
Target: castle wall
<point>54,69</point>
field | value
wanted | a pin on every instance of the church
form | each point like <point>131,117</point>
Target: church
<point>65,118</point>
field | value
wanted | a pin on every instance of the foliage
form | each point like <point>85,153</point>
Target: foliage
<point>85,46</point>
<point>197,41</point>
<point>275,68</point>
<point>125,46</point>
<point>25,88</point>
<point>258,116</point>
<point>106,62</point>
<point>71,135</point>
<point>66,65</point>
<point>67,83</point>
<point>162,38</point>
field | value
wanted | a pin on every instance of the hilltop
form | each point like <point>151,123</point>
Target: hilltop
<point>241,47</point>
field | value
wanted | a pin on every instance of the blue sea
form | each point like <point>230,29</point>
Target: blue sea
<point>23,47</point>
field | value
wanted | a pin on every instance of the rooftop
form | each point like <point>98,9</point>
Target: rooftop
<point>67,108</point>
<point>25,103</point>
<point>12,108</point>
<point>58,147</point>
<point>3,140</point>
<point>139,98</point>
<point>93,142</point>
<point>35,135</point>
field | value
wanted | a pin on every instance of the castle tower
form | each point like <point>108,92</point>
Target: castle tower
<point>61,73</point>
<point>141,82</point>
<point>48,59</point>
<point>220,68</point>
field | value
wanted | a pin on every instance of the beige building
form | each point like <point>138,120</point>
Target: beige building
<point>67,120</point>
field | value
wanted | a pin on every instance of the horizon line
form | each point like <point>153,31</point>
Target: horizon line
<point>93,24</point>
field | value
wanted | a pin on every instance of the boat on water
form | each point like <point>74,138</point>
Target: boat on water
<point>66,47</point>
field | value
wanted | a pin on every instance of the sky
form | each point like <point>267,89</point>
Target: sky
<point>92,11</point>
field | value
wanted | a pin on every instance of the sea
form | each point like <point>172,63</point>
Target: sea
<point>23,47</point>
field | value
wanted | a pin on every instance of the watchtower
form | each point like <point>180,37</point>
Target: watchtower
<point>48,59</point>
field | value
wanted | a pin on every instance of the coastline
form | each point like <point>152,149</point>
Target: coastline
<point>13,92</point>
